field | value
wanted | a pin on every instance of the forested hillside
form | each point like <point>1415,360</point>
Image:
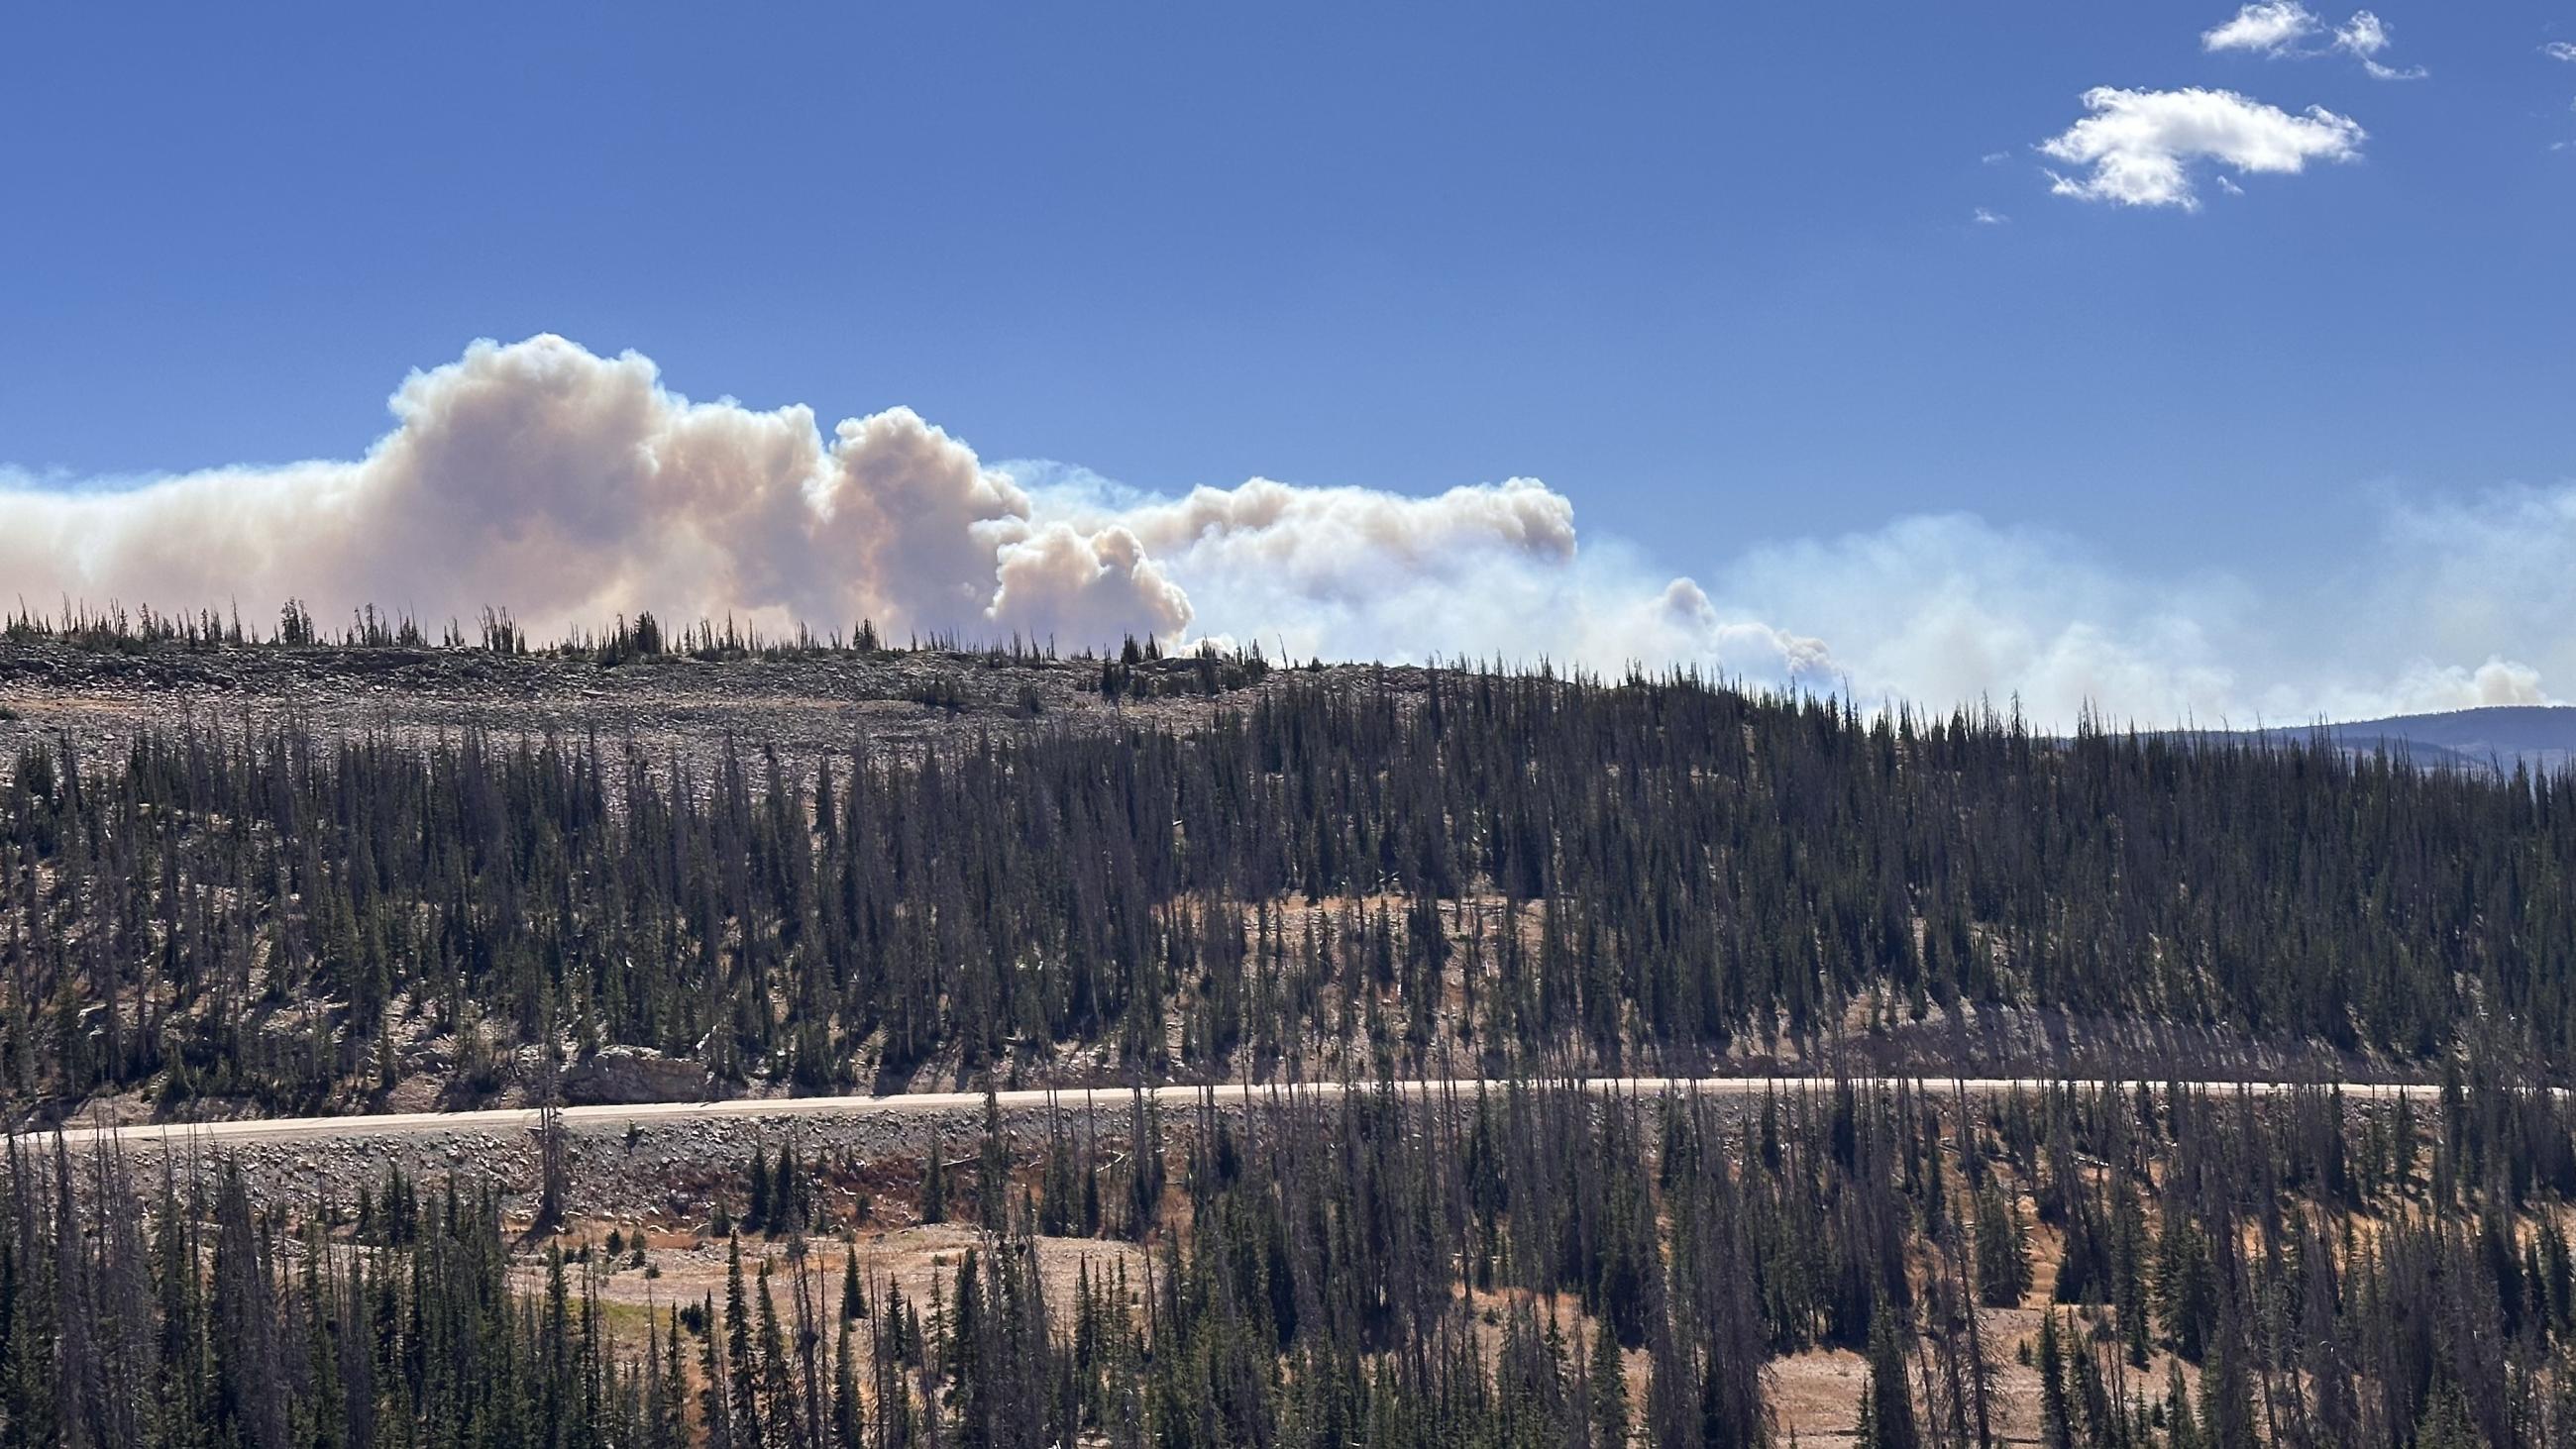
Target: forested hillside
<point>1528,1265</point>
<point>1323,873</point>
<point>292,877</point>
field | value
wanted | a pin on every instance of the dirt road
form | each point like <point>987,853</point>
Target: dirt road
<point>782,1110</point>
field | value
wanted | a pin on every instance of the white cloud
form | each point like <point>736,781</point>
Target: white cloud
<point>2140,145</point>
<point>1982,217</point>
<point>2272,28</point>
<point>2284,29</point>
<point>2363,37</point>
<point>2560,50</point>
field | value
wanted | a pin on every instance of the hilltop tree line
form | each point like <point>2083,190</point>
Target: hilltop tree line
<point>1529,1264</point>
<point>114,629</point>
<point>1484,867</point>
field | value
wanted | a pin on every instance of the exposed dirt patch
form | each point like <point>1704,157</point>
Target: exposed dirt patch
<point>684,1268</point>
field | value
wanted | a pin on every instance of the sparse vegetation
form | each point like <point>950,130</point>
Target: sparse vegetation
<point>1529,1263</point>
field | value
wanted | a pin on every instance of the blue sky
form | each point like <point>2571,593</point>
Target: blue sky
<point>1713,273</point>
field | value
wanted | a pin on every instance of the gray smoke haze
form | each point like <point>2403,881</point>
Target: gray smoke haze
<point>570,488</point>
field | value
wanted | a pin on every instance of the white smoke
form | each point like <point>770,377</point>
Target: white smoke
<point>570,488</point>
<point>1488,572</point>
<point>1950,608</point>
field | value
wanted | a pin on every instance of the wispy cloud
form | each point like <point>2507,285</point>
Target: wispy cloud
<point>1983,217</point>
<point>2140,146</point>
<point>2275,27</point>
<point>2364,37</point>
<point>2561,50</point>
<point>2284,29</point>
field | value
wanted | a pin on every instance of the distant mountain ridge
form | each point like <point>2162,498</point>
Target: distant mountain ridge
<point>2541,737</point>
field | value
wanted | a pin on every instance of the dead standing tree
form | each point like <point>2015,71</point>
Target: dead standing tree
<point>554,1173</point>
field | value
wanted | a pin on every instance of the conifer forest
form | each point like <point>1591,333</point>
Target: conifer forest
<point>1477,1055</point>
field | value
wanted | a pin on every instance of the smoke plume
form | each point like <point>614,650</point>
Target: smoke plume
<point>571,488</point>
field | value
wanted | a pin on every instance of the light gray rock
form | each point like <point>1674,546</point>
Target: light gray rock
<point>626,1075</point>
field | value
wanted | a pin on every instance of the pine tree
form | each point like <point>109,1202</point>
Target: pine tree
<point>742,1364</point>
<point>715,1396</point>
<point>2002,1250</point>
<point>1891,1399</point>
<point>1608,1378</point>
<point>2056,1424</point>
